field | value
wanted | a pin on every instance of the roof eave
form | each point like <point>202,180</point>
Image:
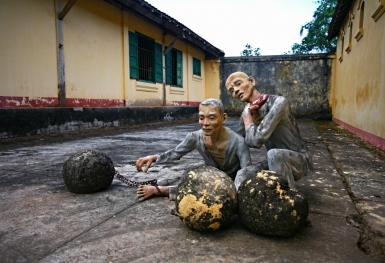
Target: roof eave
<point>168,24</point>
<point>340,13</point>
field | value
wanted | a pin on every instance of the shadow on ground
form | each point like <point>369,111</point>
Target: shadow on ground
<point>41,221</point>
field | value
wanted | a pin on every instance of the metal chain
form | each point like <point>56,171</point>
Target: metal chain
<point>134,183</point>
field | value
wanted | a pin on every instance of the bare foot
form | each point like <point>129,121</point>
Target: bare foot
<point>146,191</point>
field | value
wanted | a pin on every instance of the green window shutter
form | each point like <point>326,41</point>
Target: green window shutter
<point>179,69</point>
<point>158,63</point>
<point>196,67</point>
<point>133,49</point>
<point>169,67</point>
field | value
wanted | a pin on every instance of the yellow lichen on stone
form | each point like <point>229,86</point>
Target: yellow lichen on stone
<point>278,189</point>
<point>282,195</point>
<point>190,206</point>
<point>262,174</point>
<point>249,181</point>
<point>252,190</point>
<point>215,225</point>
<point>270,182</point>
<point>276,217</point>
<point>294,213</point>
<point>266,174</point>
<point>217,183</point>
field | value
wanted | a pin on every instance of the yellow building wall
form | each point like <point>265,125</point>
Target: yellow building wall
<point>96,57</point>
<point>212,79</point>
<point>359,90</point>
<point>28,66</point>
<point>140,93</point>
<point>93,51</point>
<point>151,94</point>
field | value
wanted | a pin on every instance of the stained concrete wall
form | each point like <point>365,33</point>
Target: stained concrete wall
<point>305,80</point>
<point>22,122</point>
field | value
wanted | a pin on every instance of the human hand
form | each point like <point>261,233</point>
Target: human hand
<point>247,115</point>
<point>253,108</point>
<point>147,161</point>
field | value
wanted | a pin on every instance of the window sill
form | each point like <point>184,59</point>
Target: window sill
<point>359,34</point>
<point>177,91</point>
<point>380,11</point>
<point>146,87</point>
<point>349,48</point>
<point>196,78</point>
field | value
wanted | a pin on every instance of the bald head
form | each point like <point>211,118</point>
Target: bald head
<point>241,87</point>
<point>235,75</point>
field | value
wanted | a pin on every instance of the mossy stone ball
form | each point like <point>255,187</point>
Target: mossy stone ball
<point>267,206</point>
<point>88,172</point>
<point>206,199</point>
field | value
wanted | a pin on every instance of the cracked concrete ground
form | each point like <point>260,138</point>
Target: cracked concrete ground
<point>41,221</point>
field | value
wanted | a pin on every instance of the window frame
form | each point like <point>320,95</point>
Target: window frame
<point>134,58</point>
<point>174,68</point>
<point>197,67</point>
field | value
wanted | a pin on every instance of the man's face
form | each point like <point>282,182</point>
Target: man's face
<point>210,119</point>
<point>240,86</point>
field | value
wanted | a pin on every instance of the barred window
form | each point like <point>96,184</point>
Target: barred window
<point>146,58</point>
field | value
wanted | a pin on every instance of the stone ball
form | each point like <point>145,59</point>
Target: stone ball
<point>88,172</point>
<point>206,199</point>
<point>267,206</point>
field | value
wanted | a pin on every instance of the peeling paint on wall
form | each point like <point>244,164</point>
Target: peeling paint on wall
<point>186,103</point>
<point>26,102</point>
<point>32,102</point>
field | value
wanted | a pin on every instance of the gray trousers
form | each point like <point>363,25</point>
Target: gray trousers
<point>287,163</point>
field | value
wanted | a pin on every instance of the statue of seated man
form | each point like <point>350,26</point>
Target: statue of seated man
<point>267,120</point>
<point>219,147</point>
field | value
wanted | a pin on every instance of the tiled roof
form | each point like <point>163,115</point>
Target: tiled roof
<point>168,24</point>
<point>340,13</point>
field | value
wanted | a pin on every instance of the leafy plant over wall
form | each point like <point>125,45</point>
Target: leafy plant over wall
<point>250,51</point>
<point>315,40</point>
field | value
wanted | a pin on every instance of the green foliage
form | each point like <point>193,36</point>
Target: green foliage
<point>250,51</point>
<point>317,30</point>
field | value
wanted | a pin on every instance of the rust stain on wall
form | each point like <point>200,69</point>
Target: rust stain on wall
<point>284,70</point>
<point>362,94</point>
<point>367,95</point>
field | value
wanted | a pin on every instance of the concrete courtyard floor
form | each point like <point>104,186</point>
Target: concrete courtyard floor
<point>41,221</point>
